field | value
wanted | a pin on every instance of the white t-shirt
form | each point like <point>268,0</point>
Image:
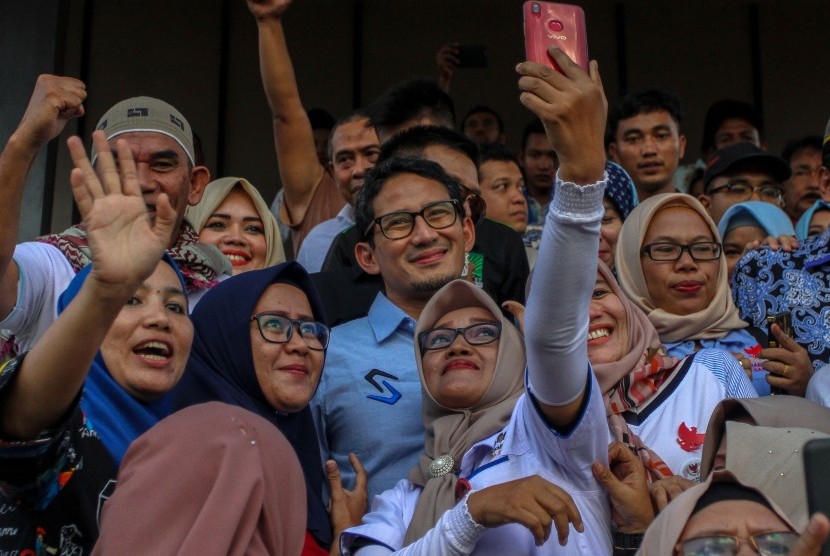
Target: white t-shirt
<point>670,424</point>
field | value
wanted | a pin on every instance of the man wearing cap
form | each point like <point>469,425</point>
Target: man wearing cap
<point>730,121</point>
<point>769,282</point>
<point>742,172</point>
<point>34,274</point>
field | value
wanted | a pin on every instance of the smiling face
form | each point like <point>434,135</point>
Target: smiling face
<point>287,373</point>
<point>649,147</point>
<point>236,228</point>
<point>415,267</point>
<point>609,233</point>
<point>683,286</point>
<point>459,375</point>
<point>502,188</point>
<point>147,346</point>
<point>163,167</point>
<point>607,327</point>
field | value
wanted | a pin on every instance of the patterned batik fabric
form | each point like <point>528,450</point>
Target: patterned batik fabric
<point>768,282</point>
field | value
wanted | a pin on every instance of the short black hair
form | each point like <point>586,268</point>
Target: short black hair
<point>534,126</point>
<point>409,100</point>
<point>646,102</point>
<point>496,151</point>
<point>354,116</point>
<point>380,174</point>
<point>811,142</point>
<point>481,109</point>
<point>414,141</point>
<point>320,119</point>
<point>722,110</point>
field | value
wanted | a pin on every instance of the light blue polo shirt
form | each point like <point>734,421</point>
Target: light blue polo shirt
<point>369,398</point>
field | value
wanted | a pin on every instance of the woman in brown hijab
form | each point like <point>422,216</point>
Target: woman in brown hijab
<point>210,479</point>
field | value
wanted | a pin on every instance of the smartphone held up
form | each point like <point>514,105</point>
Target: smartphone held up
<point>550,24</point>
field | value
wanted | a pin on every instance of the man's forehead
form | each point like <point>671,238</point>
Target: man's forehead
<point>407,191</point>
<point>540,141</point>
<point>645,121</point>
<point>350,131</point>
<point>492,169</point>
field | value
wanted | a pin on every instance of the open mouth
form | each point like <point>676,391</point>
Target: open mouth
<point>237,258</point>
<point>599,333</point>
<point>154,350</point>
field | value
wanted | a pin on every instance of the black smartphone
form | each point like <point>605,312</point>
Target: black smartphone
<point>817,477</point>
<point>472,56</point>
<point>783,320</point>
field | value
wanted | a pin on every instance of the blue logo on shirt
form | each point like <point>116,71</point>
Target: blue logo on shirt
<point>394,395</point>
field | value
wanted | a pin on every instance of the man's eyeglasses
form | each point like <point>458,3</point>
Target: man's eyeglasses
<point>398,225</point>
<point>277,329</point>
<point>766,544</point>
<point>475,334</point>
<point>666,251</point>
<point>742,190</point>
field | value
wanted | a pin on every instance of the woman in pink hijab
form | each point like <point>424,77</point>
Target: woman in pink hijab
<point>210,479</point>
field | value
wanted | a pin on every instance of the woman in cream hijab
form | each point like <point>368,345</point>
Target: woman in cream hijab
<point>233,216</point>
<point>670,263</point>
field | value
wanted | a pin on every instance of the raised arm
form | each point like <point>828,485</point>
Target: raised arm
<point>573,109</point>
<point>126,248</point>
<point>300,171</point>
<point>54,102</point>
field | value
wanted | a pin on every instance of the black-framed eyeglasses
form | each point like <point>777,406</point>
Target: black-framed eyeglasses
<point>398,225</point>
<point>277,329</point>
<point>741,190</point>
<point>667,251</point>
<point>476,335</point>
<point>766,544</point>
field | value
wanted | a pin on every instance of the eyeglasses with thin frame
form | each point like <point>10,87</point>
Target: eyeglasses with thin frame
<point>742,190</point>
<point>663,251</point>
<point>399,224</point>
<point>766,544</point>
<point>476,335</point>
<point>278,329</point>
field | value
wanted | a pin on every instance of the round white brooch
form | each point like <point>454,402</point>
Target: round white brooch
<point>440,466</point>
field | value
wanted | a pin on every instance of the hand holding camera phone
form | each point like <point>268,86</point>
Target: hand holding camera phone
<point>561,25</point>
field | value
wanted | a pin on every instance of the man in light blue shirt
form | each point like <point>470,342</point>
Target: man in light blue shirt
<point>416,233</point>
<point>318,241</point>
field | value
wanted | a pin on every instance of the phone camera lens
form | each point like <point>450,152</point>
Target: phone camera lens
<point>535,8</point>
<point>555,25</point>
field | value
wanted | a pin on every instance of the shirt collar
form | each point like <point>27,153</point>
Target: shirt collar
<point>385,318</point>
<point>346,214</point>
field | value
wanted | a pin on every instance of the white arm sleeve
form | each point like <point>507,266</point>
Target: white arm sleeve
<point>556,319</point>
<point>455,534</point>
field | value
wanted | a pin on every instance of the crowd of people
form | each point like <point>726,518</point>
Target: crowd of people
<point>428,343</point>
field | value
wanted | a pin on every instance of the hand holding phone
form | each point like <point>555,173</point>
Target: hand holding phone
<point>562,25</point>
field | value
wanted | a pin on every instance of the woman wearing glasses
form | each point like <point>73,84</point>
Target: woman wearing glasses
<point>260,345</point>
<point>670,263</point>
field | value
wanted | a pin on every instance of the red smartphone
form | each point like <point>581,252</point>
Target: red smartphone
<point>560,25</point>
